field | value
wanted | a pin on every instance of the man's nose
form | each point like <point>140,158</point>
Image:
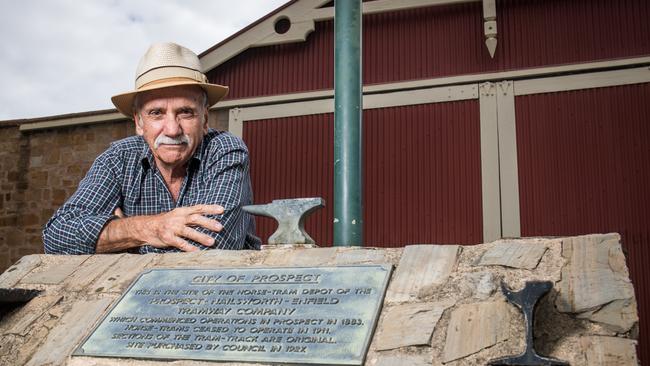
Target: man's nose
<point>172,125</point>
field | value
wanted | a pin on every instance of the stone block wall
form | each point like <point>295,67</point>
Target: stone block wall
<point>443,305</point>
<point>40,169</point>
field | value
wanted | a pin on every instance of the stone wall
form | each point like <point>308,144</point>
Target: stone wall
<point>40,169</point>
<point>443,305</point>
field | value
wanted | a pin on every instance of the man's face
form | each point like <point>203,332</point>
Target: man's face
<point>173,122</point>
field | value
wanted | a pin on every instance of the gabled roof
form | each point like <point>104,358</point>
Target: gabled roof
<point>302,15</point>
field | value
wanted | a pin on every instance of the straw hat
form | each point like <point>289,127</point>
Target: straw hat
<point>165,65</point>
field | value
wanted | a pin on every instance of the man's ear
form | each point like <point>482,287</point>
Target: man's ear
<point>206,117</point>
<point>138,124</point>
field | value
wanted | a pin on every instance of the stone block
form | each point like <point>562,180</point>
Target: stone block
<point>16,272</point>
<point>204,259</point>
<point>421,268</point>
<point>59,196</point>
<point>23,318</point>
<point>515,254</point>
<point>36,161</point>
<point>89,270</point>
<point>122,273</point>
<point>300,257</point>
<point>474,327</point>
<point>69,331</point>
<point>359,256</point>
<point>594,275</point>
<point>54,269</point>
<point>29,219</point>
<point>403,360</point>
<point>11,220</point>
<point>609,351</point>
<point>409,324</point>
<point>619,315</point>
<point>480,285</point>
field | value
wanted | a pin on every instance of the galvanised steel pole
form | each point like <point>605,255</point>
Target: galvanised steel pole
<point>348,180</point>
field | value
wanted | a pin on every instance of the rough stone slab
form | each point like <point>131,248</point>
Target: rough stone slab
<point>560,334</point>
<point>69,331</point>
<point>403,360</point>
<point>25,316</point>
<point>594,275</point>
<point>422,267</point>
<point>409,324</point>
<point>301,257</point>
<point>620,315</point>
<point>204,259</point>
<point>481,285</point>
<point>54,269</point>
<point>359,256</point>
<point>474,327</point>
<point>89,270</point>
<point>21,268</point>
<point>287,246</point>
<point>609,351</point>
<point>17,350</point>
<point>514,255</point>
<point>122,273</point>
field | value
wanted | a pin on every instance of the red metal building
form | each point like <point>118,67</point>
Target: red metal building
<point>549,136</point>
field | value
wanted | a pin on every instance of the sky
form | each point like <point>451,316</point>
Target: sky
<point>68,56</point>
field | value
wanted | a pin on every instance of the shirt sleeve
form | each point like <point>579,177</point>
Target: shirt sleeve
<point>228,184</point>
<point>75,226</point>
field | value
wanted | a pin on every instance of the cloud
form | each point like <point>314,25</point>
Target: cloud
<point>66,56</point>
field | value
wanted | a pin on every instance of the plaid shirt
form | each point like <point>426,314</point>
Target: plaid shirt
<point>125,176</point>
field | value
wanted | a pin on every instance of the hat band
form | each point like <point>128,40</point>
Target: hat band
<point>163,74</point>
<point>171,81</point>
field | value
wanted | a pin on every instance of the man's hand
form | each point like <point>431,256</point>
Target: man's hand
<point>169,229</point>
<point>118,212</point>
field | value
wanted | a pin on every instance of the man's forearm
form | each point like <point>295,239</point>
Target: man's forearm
<point>122,234</point>
<point>165,230</point>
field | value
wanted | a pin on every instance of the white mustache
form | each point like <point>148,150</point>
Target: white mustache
<point>166,140</point>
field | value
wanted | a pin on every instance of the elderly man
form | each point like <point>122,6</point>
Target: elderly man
<point>176,186</point>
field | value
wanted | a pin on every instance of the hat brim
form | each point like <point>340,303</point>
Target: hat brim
<point>124,102</point>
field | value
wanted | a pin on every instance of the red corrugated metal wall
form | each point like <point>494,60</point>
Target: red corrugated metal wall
<point>583,158</point>
<point>584,167</point>
<point>448,40</point>
<point>291,158</point>
<point>422,175</point>
<point>422,172</point>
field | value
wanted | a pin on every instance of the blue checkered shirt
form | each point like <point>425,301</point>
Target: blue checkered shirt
<point>125,176</point>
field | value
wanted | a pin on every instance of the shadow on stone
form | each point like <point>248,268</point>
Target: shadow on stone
<point>551,326</point>
<point>13,298</point>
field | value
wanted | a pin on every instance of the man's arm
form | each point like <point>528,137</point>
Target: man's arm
<point>169,229</point>
<point>87,222</point>
<point>227,183</point>
<point>76,225</point>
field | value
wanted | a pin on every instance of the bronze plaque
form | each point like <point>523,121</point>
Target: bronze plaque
<point>321,315</point>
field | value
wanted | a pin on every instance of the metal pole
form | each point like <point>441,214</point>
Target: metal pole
<point>348,167</point>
